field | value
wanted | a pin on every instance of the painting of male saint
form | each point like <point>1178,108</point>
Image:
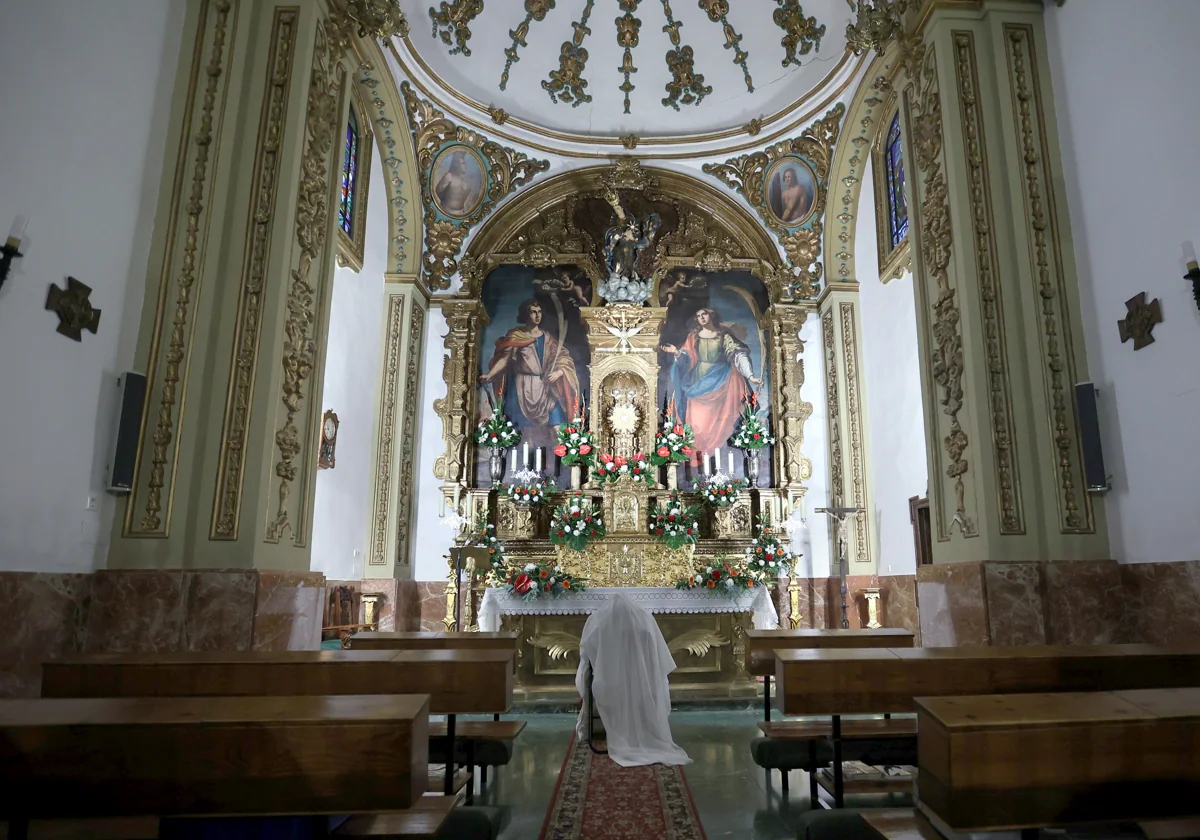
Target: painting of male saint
<point>457,182</point>
<point>792,191</point>
<point>533,375</point>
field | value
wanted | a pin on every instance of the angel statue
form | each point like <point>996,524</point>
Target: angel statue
<point>623,244</point>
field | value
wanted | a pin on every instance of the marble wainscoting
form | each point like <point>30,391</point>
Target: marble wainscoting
<point>119,610</point>
<point>1162,602</point>
<point>819,602</point>
<point>953,605</point>
<point>431,595</point>
<point>399,608</point>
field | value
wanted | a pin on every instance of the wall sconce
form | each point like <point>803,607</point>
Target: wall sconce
<point>12,247</point>
<point>1193,273</point>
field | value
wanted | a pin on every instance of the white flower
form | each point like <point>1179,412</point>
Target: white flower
<point>531,567</point>
<point>729,583</point>
<point>574,509</point>
<point>709,570</point>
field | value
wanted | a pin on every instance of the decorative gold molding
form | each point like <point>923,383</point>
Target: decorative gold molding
<point>180,273</point>
<point>946,362</point>
<point>837,487</point>
<point>748,175</point>
<point>801,34</point>
<point>453,21</point>
<point>394,336</point>
<point>352,247</point>
<point>503,170</point>
<point>567,83</point>
<point>1074,508</point>
<point>465,320</point>
<point>1004,441</point>
<point>313,201</point>
<point>854,423</point>
<point>408,447</point>
<point>243,368</point>
<point>791,410</point>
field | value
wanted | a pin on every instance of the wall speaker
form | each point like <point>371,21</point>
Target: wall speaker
<point>123,454</point>
<point>1089,438</point>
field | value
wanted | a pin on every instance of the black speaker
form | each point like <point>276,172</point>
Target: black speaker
<point>129,423</point>
<point>1089,438</point>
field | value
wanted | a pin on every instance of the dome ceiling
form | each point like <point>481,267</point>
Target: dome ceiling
<point>622,68</point>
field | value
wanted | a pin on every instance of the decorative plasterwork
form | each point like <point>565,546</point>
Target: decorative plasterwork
<point>178,285</point>
<point>566,84</point>
<point>791,410</point>
<point>751,175</point>
<point>313,223</point>
<point>801,34</point>
<point>1074,505</point>
<point>389,402</point>
<point>243,369</point>
<point>987,269</point>
<point>837,484</point>
<point>854,425</point>
<point>351,247</point>
<point>893,261</point>
<point>408,449</point>
<point>465,320</point>
<point>502,170</point>
<point>936,240</point>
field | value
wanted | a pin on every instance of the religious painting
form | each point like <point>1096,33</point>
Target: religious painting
<point>534,356</point>
<point>791,190</point>
<point>713,353</point>
<point>458,177</point>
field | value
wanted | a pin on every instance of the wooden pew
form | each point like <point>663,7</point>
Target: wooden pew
<point>432,641</point>
<point>880,681</point>
<point>96,758</point>
<point>762,644</point>
<point>1003,762</point>
<point>457,681</point>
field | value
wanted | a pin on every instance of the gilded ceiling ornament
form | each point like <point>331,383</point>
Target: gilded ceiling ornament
<point>718,11</point>
<point>567,82</point>
<point>877,24</point>
<point>801,35</point>
<point>452,21</point>
<point>380,19</point>
<point>463,176</point>
<point>535,10</point>
<point>628,29</point>
<point>753,127</point>
<point>630,141</point>
<point>787,184</point>
<point>686,85</point>
<point>499,115</point>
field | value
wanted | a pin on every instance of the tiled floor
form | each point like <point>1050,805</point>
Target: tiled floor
<point>732,794</point>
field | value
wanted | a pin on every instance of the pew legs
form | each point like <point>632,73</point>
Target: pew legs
<point>471,769</point>
<point>767,698</point>
<point>448,787</point>
<point>837,761</point>
<point>814,795</point>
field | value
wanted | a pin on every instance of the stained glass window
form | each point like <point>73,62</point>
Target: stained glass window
<point>894,170</point>
<point>349,176</point>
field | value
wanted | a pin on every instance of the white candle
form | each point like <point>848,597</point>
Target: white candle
<point>457,496</point>
<point>730,463</point>
<point>526,456</point>
<point>513,460</point>
<point>717,460</point>
<point>442,507</point>
<point>538,459</point>
<point>704,462</point>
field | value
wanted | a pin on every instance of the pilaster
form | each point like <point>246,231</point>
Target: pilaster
<point>849,486</point>
<point>397,431</point>
<point>465,321</point>
<point>997,291</point>
<point>235,318</point>
<point>791,412</point>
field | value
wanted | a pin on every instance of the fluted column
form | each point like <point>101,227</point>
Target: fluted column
<point>998,303</point>
<point>233,330</point>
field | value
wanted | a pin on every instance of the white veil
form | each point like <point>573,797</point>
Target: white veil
<point>630,662</point>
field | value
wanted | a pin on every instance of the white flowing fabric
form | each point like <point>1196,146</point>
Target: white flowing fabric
<point>630,663</point>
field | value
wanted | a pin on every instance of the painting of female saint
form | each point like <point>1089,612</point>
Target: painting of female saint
<point>713,351</point>
<point>457,178</point>
<point>791,191</point>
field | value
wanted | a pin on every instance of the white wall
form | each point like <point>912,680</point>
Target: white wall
<point>812,538</point>
<point>86,102</point>
<point>1128,120</point>
<point>432,539</point>
<point>342,511</point>
<point>892,381</point>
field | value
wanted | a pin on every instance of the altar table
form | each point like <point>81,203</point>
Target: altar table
<point>706,634</point>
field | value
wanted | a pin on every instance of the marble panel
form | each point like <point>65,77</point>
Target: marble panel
<point>1162,602</point>
<point>899,603</point>
<point>387,605</point>
<point>408,606</point>
<point>856,601</point>
<point>44,617</point>
<point>218,610</point>
<point>288,611</point>
<point>432,598</point>
<point>1014,603</point>
<point>1085,602</point>
<point>136,610</point>
<point>811,600</point>
<point>953,606</point>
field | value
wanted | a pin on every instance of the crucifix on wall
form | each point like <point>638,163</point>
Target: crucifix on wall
<point>844,516</point>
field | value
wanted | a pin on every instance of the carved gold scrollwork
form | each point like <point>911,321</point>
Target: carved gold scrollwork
<point>557,644</point>
<point>452,21</point>
<point>858,452</point>
<point>387,423</point>
<point>465,320</point>
<point>801,34</point>
<point>837,487</point>
<point>697,642</point>
<point>787,378</point>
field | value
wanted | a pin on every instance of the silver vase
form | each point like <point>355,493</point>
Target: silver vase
<point>753,457</point>
<point>496,464</point>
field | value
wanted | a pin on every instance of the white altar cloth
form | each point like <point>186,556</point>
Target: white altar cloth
<point>657,599</point>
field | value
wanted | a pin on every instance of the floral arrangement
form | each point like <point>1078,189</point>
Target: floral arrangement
<point>576,445</point>
<point>527,487</point>
<point>497,431</point>
<point>766,557</point>
<point>576,522</point>
<point>722,578</point>
<point>719,490</point>
<point>673,443</point>
<point>536,580</point>
<point>675,523</point>
<point>483,535</point>
<point>612,467</point>
<point>751,432</point>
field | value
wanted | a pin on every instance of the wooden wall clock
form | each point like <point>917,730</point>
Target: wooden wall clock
<point>329,432</point>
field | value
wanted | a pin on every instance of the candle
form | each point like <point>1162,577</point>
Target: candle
<point>526,455</point>
<point>513,460</point>
<point>442,507</point>
<point>457,496</point>
<point>704,465</point>
<point>731,463</point>
<point>538,459</point>
<point>717,460</point>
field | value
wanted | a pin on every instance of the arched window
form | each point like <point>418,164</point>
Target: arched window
<point>891,210</point>
<point>349,176</point>
<point>894,168</point>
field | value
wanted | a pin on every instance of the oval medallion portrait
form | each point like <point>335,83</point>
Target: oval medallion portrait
<point>457,179</point>
<point>791,187</point>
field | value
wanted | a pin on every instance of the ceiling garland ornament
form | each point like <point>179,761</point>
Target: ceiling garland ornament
<point>628,37</point>
<point>567,83</point>
<point>787,184</point>
<point>380,19</point>
<point>472,175</point>
<point>801,34</point>
<point>718,12</point>
<point>535,12</point>
<point>452,22</point>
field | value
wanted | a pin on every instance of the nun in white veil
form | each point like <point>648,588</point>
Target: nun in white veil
<point>630,662</point>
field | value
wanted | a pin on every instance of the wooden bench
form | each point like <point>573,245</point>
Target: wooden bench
<point>457,681</point>
<point>1003,762</point>
<point>878,681</point>
<point>98,758</point>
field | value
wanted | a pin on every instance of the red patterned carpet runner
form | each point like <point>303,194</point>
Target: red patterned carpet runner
<point>597,799</point>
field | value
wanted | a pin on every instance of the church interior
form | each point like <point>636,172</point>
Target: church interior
<point>652,420</point>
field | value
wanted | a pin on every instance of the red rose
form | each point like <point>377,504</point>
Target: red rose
<point>560,450</point>
<point>546,588</point>
<point>716,575</point>
<point>584,449</point>
<point>560,533</point>
<point>663,452</point>
<point>757,436</point>
<point>689,531</point>
<point>522,584</point>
